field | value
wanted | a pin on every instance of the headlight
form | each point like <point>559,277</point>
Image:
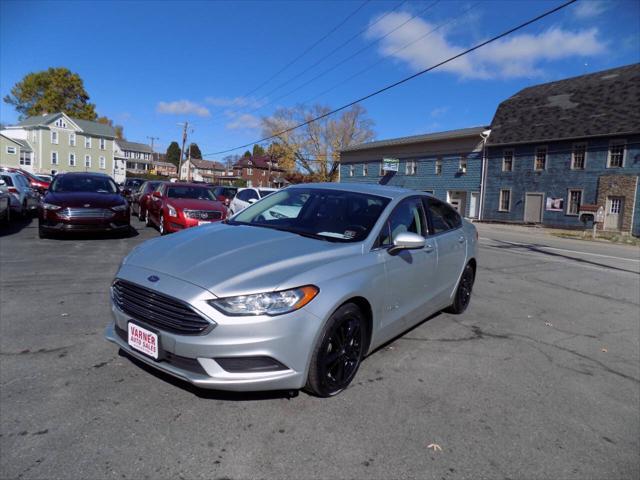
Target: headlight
<point>119,208</point>
<point>172,211</point>
<point>50,206</point>
<point>268,303</point>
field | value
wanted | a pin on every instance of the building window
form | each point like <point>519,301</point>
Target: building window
<point>72,159</point>
<point>575,199</point>
<point>87,142</point>
<point>541,158</point>
<point>352,170</point>
<point>462,167</point>
<point>365,170</point>
<point>11,150</point>
<point>616,154</point>
<point>439,166</point>
<point>25,158</point>
<point>103,144</point>
<point>87,161</point>
<point>61,123</point>
<point>54,158</point>
<point>54,137</point>
<point>249,171</point>
<point>615,205</point>
<point>411,167</point>
<point>507,161</point>
<point>72,139</point>
<point>505,200</point>
<point>264,173</point>
<point>578,156</point>
<point>103,163</point>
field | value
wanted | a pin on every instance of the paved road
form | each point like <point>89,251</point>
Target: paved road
<point>539,379</point>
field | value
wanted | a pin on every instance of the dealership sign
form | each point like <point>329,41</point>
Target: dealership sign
<point>390,164</point>
<point>555,204</point>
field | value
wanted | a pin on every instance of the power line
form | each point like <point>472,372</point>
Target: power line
<point>308,49</point>
<point>344,60</point>
<point>406,79</point>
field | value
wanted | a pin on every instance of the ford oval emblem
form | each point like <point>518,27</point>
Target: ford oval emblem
<point>87,205</point>
<point>153,278</point>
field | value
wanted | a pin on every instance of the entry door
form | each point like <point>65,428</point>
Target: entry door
<point>533,208</point>
<point>613,217</point>
<point>474,204</point>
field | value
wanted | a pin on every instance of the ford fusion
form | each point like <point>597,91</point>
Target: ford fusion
<point>293,300</point>
<point>83,202</point>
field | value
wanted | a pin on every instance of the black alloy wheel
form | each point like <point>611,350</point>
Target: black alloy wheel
<point>339,352</point>
<point>463,293</point>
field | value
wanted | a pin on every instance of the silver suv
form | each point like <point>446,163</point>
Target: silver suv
<point>297,299</point>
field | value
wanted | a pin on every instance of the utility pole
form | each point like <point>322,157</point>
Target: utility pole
<point>153,139</point>
<point>184,140</point>
<point>189,163</point>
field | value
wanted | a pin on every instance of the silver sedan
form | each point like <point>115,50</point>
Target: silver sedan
<point>293,300</point>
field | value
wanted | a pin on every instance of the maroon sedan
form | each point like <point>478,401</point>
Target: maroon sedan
<point>176,206</point>
<point>83,202</point>
<point>141,198</point>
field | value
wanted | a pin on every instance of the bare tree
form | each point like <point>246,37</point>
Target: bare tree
<point>315,148</point>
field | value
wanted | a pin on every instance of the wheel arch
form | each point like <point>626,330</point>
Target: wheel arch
<point>365,307</point>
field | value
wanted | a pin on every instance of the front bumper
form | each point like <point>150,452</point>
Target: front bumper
<point>287,339</point>
<point>175,224</point>
<point>50,221</point>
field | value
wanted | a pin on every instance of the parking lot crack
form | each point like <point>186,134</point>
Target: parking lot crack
<point>27,351</point>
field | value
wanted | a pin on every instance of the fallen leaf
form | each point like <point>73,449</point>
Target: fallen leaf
<point>64,315</point>
<point>435,447</point>
<point>548,324</point>
<point>604,349</point>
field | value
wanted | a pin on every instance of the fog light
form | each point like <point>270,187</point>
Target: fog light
<point>250,364</point>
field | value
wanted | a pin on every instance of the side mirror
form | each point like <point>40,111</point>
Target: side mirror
<point>407,241</point>
<point>253,200</point>
<point>157,194</point>
<point>2,183</point>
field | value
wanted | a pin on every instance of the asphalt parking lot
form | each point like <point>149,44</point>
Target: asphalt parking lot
<point>540,378</point>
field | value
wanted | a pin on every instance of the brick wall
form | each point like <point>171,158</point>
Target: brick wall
<point>619,186</point>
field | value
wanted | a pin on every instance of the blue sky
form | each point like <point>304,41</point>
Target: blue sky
<point>150,65</point>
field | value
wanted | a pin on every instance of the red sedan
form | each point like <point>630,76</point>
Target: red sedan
<point>176,206</point>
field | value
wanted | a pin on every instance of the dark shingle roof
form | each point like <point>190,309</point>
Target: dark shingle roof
<point>258,162</point>
<point>206,164</point>
<point>24,145</point>
<point>602,103</point>
<point>426,137</point>
<point>92,128</point>
<point>133,146</point>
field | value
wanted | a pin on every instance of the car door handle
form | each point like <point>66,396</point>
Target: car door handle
<point>428,248</point>
<point>460,239</point>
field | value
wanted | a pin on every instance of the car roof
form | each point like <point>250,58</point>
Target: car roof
<point>84,174</point>
<point>369,188</point>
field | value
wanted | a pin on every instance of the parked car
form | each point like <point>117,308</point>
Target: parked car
<point>225,194</point>
<point>131,185</point>
<point>45,178</point>
<point>141,197</point>
<point>87,202</point>
<point>38,185</point>
<point>176,206</point>
<point>5,202</point>
<point>259,304</point>
<point>24,198</point>
<point>247,196</point>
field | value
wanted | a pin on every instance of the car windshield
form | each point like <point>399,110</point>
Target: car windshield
<point>332,215</point>
<point>133,184</point>
<point>81,183</point>
<point>195,193</point>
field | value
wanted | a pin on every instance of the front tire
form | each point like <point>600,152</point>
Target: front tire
<point>42,233</point>
<point>161,227</point>
<point>141,215</point>
<point>463,293</point>
<point>338,352</point>
<point>147,220</point>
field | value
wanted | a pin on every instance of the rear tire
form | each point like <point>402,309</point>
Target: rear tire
<point>42,233</point>
<point>463,293</point>
<point>338,353</point>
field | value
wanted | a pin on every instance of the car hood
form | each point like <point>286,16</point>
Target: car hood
<point>233,260</point>
<point>194,204</point>
<point>80,199</point>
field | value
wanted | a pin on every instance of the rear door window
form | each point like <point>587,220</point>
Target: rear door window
<point>7,179</point>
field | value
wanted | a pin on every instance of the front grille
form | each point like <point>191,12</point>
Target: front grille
<point>203,214</point>
<point>97,213</point>
<point>158,310</point>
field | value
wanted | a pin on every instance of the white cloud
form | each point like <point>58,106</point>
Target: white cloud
<point>183,107</point>
<point>519,55</point>
<point>244,121</point>
<point>589,8</point>
<point>238,102</point>
<point>439,111</point>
